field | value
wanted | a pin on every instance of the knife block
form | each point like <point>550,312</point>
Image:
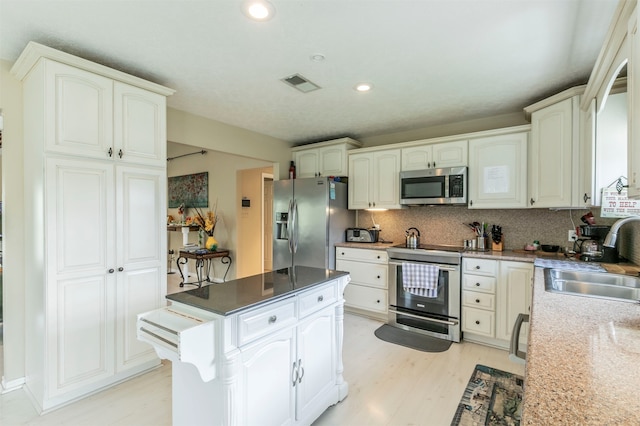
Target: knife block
<point>497,246</point>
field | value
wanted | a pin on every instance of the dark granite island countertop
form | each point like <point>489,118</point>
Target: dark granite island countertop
<point>233,296</point>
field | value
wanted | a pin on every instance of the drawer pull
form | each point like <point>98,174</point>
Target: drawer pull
<point>378,276</point>
<point>477,266</point>
<point>320,298</point>
<point>477,300</point>
<point>477,284</point>
<point>273,319</point>
<point>477,322</point>
<point>378,301</point>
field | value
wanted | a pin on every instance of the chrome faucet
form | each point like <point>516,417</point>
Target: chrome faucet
<point>612,236</point>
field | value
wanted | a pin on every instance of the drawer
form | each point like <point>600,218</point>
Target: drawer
<point>364,255</point>
<point>478,321</point>
<point>316,299</point>
<point>374,275</point>
<point>480,266</point>
<point>271,318</point>
<point>474,299</point>
<point>479,283</point>
<point>367,298</point>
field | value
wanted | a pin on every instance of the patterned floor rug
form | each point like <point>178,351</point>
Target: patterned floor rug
<point>492,397</point>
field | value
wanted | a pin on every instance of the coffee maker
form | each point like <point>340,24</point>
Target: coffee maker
<point>591,244</point>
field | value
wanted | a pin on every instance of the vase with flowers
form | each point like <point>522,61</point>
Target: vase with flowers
<point>207,222</point>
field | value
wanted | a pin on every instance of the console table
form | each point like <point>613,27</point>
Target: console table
<point>201,257</point>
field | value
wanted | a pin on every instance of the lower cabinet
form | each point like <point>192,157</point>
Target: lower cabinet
<point>494,292</point>
<point>299,366</point>
<point>368,290</point>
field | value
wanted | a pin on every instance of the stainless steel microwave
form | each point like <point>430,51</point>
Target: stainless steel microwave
<point>434,186</point>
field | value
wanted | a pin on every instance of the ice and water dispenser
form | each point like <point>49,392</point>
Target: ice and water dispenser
<point>282,227</point>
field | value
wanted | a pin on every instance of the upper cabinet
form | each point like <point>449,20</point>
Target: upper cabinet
<point>498,171</point>
<point>374,180</point>
<point>435,155</point>
<point>93,116</point>
<point>324,158</point>
<point>550,155</point>
<point>633,93</point>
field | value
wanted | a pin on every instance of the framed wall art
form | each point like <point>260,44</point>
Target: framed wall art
<point>192,190</point>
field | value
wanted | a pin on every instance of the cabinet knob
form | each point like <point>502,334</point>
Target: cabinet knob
<point>110,152</point>
<point>477,322</point>
<point>272,319</point>
<point>320,298</point>
<point>120,269</point>
<point>111,271</point>
<point>477,300</point>
<point>532,201</point>
<point>471,202</point>
<point>378,276</point>
<point>477,284</point>
<point>343,253</point>
<point>477,266</point>
<point>378,301</point>
<point>378,257</point>
<point>120,153</point>
<point>434,164</point>
<point>586,197</point>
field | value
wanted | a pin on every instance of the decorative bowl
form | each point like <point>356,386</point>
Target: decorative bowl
<point>550,248</point>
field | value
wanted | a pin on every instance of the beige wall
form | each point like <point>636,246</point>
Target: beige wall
<point>13,227</point>
<point>250,259</point>
<point>222,168</point>
<point>189,129</point>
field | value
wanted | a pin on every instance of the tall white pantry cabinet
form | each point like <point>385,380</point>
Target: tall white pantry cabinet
<point>95,197</point>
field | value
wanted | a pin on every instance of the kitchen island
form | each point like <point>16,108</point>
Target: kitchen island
<point>265,349</point>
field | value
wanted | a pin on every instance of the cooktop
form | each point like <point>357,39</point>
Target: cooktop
<point>455,249</point>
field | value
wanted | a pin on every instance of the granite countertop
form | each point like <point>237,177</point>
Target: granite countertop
<point>236,295</point>
<point>380,245</point>
<point>583,360</point>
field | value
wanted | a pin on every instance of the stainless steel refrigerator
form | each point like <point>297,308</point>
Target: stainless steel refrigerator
<point>310,217</point>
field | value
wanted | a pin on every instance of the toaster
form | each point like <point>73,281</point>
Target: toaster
<point>361,235</point>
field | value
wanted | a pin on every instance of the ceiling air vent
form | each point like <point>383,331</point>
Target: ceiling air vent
<point>302,84</point>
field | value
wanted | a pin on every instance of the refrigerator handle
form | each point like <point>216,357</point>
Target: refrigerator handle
<point>295,226</point>
<point>290,226</point>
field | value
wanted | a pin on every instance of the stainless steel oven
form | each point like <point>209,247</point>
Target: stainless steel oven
<point>437,316</point>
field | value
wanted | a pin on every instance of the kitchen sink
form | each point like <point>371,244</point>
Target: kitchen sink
<point>593,284</point>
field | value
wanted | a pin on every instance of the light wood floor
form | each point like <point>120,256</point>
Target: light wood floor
<point>388,385</point>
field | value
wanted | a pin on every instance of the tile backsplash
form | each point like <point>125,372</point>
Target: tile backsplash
<point>448,225</point>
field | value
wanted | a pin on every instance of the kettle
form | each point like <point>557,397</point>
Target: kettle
<point>413,237</point>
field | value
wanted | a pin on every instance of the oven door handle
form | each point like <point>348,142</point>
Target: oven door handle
<point>443,267</point>
<point>452,322</point>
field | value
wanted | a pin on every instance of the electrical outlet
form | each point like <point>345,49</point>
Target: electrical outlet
<point>572,235</point>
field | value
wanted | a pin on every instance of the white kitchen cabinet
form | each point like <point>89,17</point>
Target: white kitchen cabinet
<point>323,158</point>
<point>93,116</point>
<point>553,170</point>
<point>428,156</point>
<point>276,363</point>
<point>498,171</point>
<point>494,292</point>
<point>633,93</point>
<point>478,297</point>
<point>97,257</point>
<point>514,297</point>
<point>374,180</point>
<point>368,291</point>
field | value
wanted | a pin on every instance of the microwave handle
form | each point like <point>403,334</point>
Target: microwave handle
<point>443,267</point>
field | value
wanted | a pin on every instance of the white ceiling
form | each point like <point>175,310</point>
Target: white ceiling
<point>432,62</point>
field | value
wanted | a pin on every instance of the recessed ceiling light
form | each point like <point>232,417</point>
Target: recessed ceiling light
<point>258,10</point>
<point>363,87</point>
